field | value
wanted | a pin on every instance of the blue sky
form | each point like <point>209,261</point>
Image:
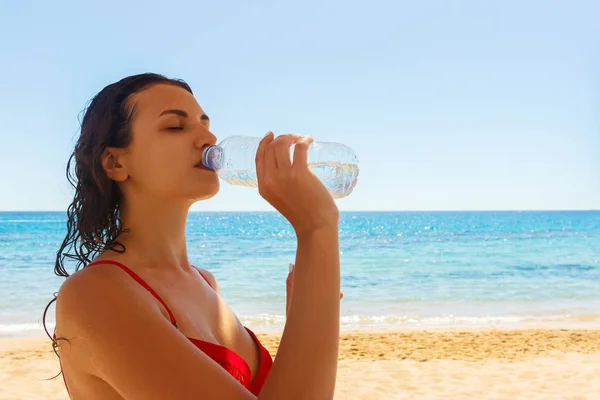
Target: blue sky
<point>462,105</point>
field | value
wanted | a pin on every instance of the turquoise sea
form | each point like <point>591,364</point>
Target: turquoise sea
<point>399,269</point>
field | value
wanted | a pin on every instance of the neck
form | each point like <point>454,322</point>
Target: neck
<point>156,232</point>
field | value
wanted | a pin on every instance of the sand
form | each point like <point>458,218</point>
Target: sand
<point>477,364</point>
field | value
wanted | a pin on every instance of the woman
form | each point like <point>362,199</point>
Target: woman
<point>140,322</point>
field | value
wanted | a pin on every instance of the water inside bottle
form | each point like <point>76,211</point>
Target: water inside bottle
<point>339,178</point>
<point>239,178</point>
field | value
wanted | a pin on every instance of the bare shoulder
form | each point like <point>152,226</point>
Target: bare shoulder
<point>210,278</point>
<point>94,291</point>
<point>91,280</point>
<point>91,301</point>
<point>81,285</point>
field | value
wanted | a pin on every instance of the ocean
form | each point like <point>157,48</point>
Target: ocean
<point>399,269</point>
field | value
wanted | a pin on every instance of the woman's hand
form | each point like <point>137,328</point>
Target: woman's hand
<point>288,289</point>
<point>291,187</point>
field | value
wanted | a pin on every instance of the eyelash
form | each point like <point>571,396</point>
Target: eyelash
<point>175,128</point>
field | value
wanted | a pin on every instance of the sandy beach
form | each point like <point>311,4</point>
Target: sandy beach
<point>433,364</point>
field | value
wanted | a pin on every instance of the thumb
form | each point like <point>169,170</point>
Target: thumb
<point>290,276</point>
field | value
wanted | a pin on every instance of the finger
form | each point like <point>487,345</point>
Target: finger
<point>301,152</point>
<point>289,286</point>
<point>270,160</point>
<point>282,155</point>
<point>260,155</point>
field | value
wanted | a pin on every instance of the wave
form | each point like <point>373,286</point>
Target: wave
<point>366,321</point>
<point>269,322</point>
<point>24,329</point>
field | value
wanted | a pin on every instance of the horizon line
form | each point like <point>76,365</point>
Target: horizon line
<point>356,211</point>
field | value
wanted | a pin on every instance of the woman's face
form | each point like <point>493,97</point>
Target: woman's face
<point>169,132</point>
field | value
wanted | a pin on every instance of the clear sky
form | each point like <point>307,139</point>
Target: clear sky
<point>450,105</point>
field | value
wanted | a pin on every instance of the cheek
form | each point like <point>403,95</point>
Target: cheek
<point>156,166</point>
<point>166,170</point>
<point>166,173</point>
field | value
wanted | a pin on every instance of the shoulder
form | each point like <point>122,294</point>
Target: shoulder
<point>94,280</point>
<point>96,291</point>
<point>86,281</point>
<point>210,278</point>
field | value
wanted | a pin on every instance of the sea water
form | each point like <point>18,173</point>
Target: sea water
<point>398,269</point>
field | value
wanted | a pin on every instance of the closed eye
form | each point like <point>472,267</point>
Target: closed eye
<point>175,128</point>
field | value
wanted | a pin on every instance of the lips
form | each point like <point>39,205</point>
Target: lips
<point>199,164</point>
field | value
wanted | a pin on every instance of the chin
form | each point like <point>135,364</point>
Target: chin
<point>206,191</point>
<point>204,197</point>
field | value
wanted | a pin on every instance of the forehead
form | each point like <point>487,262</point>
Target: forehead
<point>157,98</point>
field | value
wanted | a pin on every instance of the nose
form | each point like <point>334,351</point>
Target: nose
<point>204,137</point>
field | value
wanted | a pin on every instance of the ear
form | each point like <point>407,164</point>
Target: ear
<point>113,163</point>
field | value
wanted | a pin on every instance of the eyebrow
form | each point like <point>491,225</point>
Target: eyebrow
<point>182,113</point>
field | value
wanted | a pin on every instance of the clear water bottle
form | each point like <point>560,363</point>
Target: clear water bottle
<point>334,164</point>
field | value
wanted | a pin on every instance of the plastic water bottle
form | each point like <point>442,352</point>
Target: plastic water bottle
<point>334,164</point>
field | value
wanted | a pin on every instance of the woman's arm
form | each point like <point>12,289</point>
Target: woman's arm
<point>306,363</point>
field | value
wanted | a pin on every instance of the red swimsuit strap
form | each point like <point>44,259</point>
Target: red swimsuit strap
<point>139,280</point>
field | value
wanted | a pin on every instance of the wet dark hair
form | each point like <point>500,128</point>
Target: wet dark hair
<point>93,218</point>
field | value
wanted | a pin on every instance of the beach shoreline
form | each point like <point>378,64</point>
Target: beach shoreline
<point>528,363</point>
